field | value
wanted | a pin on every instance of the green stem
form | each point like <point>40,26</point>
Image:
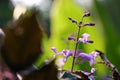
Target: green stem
<point>73,62</point>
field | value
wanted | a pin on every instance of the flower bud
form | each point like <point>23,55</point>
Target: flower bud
<point>73,21</point>
<point>86,14</point>
<point>89,24</point>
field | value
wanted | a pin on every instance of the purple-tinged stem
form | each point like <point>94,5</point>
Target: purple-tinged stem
<point>73,62</point>
<point>79,26</point>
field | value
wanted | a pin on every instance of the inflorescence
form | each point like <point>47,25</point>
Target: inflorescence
<point>77,53</point>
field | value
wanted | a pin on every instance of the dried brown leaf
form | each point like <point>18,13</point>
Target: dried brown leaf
<point>23,40</point>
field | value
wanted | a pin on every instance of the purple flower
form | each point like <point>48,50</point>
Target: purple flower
<point>90,57</point>
<point>61,62</point>
<point>66,53</point>
<point>84,39</point>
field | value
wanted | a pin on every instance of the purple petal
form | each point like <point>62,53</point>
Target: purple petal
<point>58,53</point>
<point>78,52</point>
<point>67,53</point>
<point>84,38</point>
<point>92,61</point>
<point>93,70</point>
<point>94,54</point>
<point>54,49</point>
<point>65,59</point>
<point>86,35</point>
<point>86,56</point>
<point>61,62</point>
<point>71,38</point>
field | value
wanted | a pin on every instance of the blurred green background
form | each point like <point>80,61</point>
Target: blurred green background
<point>104,13</point>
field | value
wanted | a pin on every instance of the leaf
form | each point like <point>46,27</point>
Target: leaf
<point>23,42</point>
<point>115,73</point>
<point>69,76</point>
<point>47,72</point>
<point>82,75</point>
<point>77,75</point>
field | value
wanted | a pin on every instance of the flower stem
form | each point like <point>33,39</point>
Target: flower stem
<point>73,62</point>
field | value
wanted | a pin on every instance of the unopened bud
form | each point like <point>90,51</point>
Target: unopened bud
<point>89,24</point>
<point>90,41</point>
<point>86,14</point>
